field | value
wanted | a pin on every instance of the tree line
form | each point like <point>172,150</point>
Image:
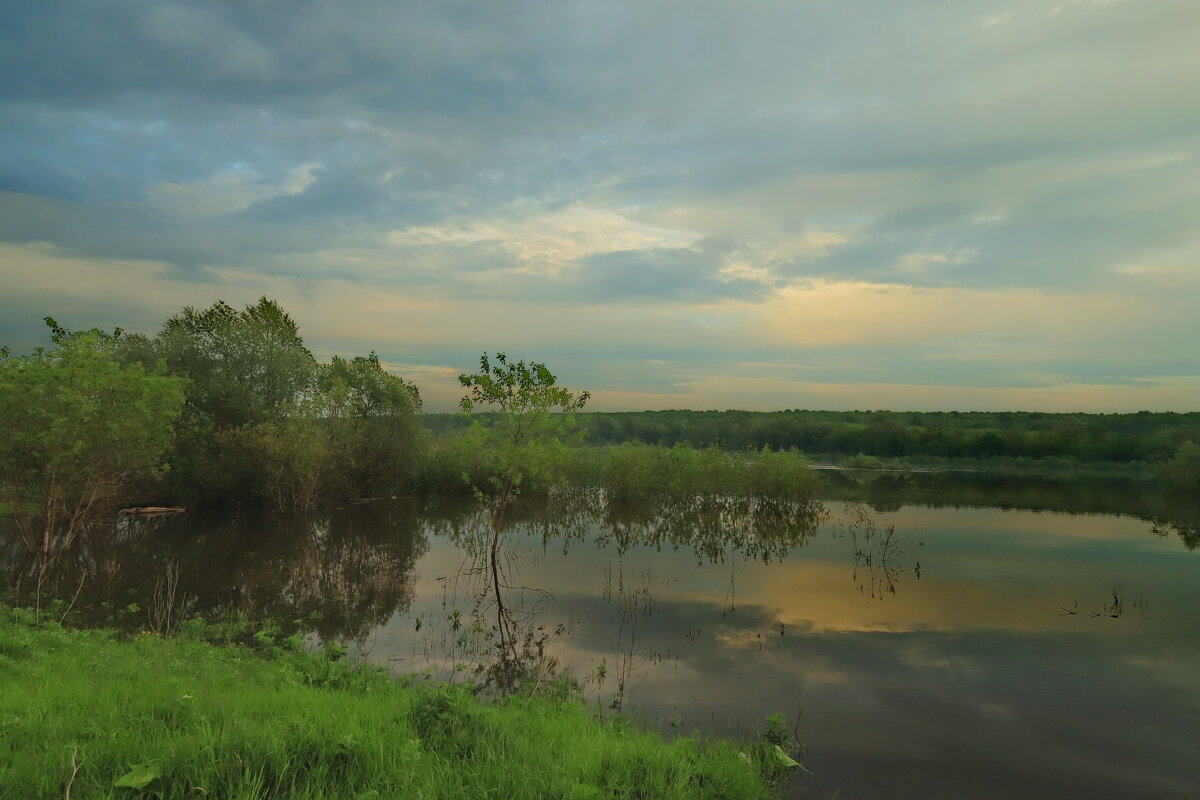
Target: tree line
<point>227,405</point>
<point>1143,436</point>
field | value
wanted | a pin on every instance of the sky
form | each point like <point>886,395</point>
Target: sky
<point>760,204</point>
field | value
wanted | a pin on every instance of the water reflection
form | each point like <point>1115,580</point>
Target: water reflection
<point>876,552</point>
<point>505,642</point>
<point>344,572</point>
<point>925,650</point>
<point>1183,520</point>
<point>967,681</point>
<point>892,490</point>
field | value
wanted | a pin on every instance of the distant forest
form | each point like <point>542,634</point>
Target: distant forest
<point>1144,436</point>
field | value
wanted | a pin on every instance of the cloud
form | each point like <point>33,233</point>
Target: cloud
<point>823,313</point>
<point>706,272</point>
<point>548,240</point>
<point>983,186</point>
<point>844,344</point>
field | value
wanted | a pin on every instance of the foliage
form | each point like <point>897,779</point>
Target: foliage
<point>481,460</point>
<point>632,472</point>
<point>82,711</point>
<point>1075,438</point>
<point>1183,471</point>
<point>1182,475</point>
<point>267,424</point>
<point>80,427</point>
<point>374,429</point>
<point>532,413</point>
<point>639,472</point>
<point>862,461</point>
<point>524,394</point>
<point>244,367</point>
<point>770,752</point>
<point>354,434</point>
<point>281,464</point>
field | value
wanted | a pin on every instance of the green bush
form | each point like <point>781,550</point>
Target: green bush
<point>632,472</point>
<point>638,471</point>
<point>862,461</point>
<point>79,427</point>
<point>1183,471</point>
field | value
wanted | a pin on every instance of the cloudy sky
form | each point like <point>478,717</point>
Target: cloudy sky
<point>706,204</point>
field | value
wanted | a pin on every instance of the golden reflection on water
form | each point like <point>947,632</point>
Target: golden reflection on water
<point>910,639</point>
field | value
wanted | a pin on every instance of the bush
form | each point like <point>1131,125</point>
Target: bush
<point>1183,471</point>
<point>862,461</point>
<point>79,428</point>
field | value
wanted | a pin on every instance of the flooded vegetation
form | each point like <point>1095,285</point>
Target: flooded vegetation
<point>861,632</point>
<point>918,633</point>
<point>724,401</point>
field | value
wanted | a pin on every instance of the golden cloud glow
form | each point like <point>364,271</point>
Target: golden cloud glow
<point>550,239</point>
<point>827,313</point>
<point>1012,327</point>
<point>1163,393</point>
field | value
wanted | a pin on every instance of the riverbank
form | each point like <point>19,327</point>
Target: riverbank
<point>87,714</point>
<point>1000,465</point>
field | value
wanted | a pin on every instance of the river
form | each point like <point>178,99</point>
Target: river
<point>924,635</point>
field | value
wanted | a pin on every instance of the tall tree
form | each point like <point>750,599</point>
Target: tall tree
<point>373,418</point>
<point>245,366</point>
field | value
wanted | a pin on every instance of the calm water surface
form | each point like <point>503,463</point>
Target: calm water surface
<point>945,635</point>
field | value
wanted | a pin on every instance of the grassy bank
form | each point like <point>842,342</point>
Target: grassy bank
<point>86,715</point>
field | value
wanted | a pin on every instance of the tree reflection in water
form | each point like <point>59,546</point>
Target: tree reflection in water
<point>876,551</point>
<point>505,640</point>
<point>343,573</point>
<point>1183,520</point>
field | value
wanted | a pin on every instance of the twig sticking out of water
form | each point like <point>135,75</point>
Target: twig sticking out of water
<point>1114,609</point>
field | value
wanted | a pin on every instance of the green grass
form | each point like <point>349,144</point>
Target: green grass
<point>630,471</point>
<point>86,715</point>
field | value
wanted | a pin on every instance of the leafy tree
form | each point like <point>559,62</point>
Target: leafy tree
<point>79,427</point>
<point>244,366</point>
<point>374,424</point>
<point>524,397</point>
<point>354,434</point>
<point>1183,471</point>
<point>264,422</point>
<point>523,394</point>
